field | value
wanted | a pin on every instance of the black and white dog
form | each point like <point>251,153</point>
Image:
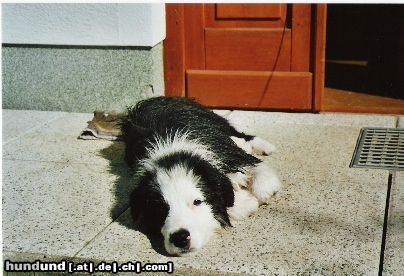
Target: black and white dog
<point>194,171</point>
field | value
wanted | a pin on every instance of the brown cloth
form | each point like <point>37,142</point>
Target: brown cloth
<point>104,125</point>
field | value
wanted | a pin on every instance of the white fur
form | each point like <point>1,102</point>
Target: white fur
<point>179,141</point>
<point>244,205</point>
<point>260,146</point>
<point>262,180</point>
<point>265,182</point>
<point>257,145</point>
<point>178,187</point>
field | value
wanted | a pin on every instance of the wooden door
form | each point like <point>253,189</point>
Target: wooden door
<point>241,55</point>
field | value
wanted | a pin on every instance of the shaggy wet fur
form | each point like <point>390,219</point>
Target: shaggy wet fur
<point>177,139</point>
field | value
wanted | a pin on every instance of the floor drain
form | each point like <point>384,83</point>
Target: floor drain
<point>379,148</point>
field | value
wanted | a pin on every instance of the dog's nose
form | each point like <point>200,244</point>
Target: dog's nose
<point>181,239</point>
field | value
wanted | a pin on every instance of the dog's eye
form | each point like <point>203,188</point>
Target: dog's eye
<point>197,202</point>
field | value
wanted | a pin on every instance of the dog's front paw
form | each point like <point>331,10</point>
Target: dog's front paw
<point>261,147</point>
<point>265,183</point>
<point>244,205</point>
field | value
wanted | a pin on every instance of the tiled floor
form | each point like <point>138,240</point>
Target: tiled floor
<point>64,197</point>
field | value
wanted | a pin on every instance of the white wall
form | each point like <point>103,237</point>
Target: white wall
<point>84,24</point>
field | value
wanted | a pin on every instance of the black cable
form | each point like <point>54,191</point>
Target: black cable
<point>385,224</point>
<point>275,63</point>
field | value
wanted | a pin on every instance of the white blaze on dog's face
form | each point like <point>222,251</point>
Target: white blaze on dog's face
<point>190,221</point>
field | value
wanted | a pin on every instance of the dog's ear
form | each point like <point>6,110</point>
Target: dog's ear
<point>227,190</point>
<point>148,205</point>
<point>218,190</point>
<point>227,194</point>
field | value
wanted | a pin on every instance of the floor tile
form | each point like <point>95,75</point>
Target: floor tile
<point>122,241</point>
<point>57,141</point>
<point>223,112</point>
<point>19,122</point>
<point>400,121</point>
<point>250,118</point>
<point>56,208</point>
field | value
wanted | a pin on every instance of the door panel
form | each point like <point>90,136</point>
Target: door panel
<point>245,15</point>
<point>263,11</point>
<point>246,89</point>
<point>247,49</point>
<point>301,38</point>
<point>194,36</point>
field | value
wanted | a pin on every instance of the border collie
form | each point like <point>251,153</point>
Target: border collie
<point>194,171</point>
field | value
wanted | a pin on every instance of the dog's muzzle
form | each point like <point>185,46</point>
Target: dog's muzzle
<point>181,239</point>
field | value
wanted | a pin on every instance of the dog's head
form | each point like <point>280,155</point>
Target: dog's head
<point>185,198</point>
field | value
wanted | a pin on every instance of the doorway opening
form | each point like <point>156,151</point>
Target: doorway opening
<point>364,69</point>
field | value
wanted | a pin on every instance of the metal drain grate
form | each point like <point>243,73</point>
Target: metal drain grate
<point>379,148</point>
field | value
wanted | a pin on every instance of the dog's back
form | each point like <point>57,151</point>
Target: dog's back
<point>162,113</point>
<point>165,116</point>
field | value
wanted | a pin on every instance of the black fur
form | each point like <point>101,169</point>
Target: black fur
<point>163,116</point>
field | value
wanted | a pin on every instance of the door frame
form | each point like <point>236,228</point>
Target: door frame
<point>174,52</point>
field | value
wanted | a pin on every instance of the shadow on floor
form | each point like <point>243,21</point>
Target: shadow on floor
<point>123,187</point>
